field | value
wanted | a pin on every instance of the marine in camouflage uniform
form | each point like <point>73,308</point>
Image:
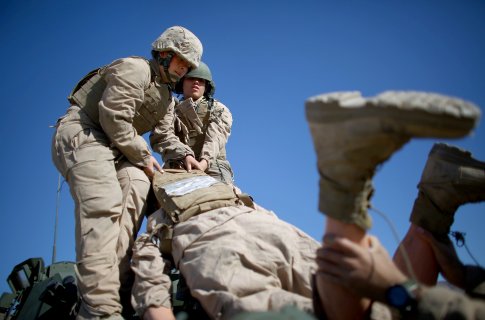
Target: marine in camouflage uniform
<point>234,257</point>
<point>99,149</point>
<point>203,123</point>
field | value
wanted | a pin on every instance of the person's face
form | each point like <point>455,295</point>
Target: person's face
<point>193,88</point>
<point>178,66</point>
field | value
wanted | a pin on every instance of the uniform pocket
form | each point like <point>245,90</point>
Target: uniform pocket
<point>76,143</point>
<point>89,137</point>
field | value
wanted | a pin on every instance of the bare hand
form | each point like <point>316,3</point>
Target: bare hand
<point>452,269</point>
<point>190,163</point>
<point>152,167</point>
<point>366,272</point>
<point>203,164</point>
<point>158,313</point>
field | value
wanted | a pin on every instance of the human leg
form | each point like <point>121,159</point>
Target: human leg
<point>352,135</point>
<point>451,177</point>
<point>415,253</point>
<point>82,156</point>
<point>98,210</point>
<point>135,186</point>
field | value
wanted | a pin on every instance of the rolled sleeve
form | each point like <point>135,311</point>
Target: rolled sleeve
<point>164,141</point>
<point>152,282</point>
<point>444,303</point>
<point>218,132</point>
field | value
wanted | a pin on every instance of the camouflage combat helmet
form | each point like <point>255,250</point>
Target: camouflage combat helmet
<point>181,41</point>
<point>201,72</point>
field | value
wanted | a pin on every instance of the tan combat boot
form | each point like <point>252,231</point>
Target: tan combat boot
<point>451,177</point>
<point>352,135</point>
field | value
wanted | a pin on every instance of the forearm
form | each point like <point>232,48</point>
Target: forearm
<point>217,134</point>
<point>158,313</point>
<point>214,142</point>
<point>164,140</point>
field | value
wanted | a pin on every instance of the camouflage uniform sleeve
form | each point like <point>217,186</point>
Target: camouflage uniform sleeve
<point>443,303</point>
<point>152,282</point>
<point>126,81</point>
<point>218,132</point>
<point>164,140</point>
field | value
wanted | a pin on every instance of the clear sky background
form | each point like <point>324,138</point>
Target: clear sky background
<point>267,58</point>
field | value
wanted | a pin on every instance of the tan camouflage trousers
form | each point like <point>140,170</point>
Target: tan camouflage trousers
<point>233,259</point>
<point>110,199</point>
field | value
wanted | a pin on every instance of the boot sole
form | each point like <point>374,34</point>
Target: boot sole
<point>419,114</point>
<point>455,155</point>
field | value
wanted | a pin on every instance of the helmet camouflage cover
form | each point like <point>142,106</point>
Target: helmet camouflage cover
<point>181,41</point>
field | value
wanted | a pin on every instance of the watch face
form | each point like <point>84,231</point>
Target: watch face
<point>398,296</point>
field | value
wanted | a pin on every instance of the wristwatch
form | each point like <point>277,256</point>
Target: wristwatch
<point>402,296</point>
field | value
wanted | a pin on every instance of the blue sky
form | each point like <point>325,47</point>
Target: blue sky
<point>267,58</point>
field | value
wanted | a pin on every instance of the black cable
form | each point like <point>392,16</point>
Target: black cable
<point>460,242</point>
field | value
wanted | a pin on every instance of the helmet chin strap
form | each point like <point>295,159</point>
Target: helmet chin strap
<point>165,63</point>
<point>173,77</point>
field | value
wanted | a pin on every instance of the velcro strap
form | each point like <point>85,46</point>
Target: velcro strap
<point>246,199</point>
<point>184,194</point>
<point>162,236</point>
